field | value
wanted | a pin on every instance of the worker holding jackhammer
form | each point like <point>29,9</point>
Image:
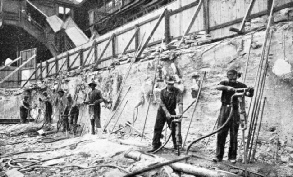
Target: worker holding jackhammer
<point>93,100</point>
<point>170,98</point>
<point>228,88</point>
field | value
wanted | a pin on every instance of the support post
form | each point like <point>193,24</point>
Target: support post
<point>47,68</point>
<point>193,17</point>
<point>81,57</point>
<point>167,27</point>
<point>206,16</point>
<point>41,71</point>
<point>67,61</point>
<point>36,68</point>
<point>56,65</point>
<point>96,51</point>
<point>104,50</point>
<point>270,3</point>
<point>150,36</point>
<point>134,36</point>
<point>114,46</point>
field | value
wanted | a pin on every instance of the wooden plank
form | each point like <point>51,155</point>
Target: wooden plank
<point>17,69</point>
<point>63,64</point>
<point>90,51</point>
<point>81,57</point>
<point>114,46</point>
<point>134,36</point>
<point>150,36</point>
<point>104,50</point>
<point>74,61</point>
<point>56,65</point>
<point>96,52</point>
<point>248,12</point>
<point>67,61</point>
<point>47,68</point>
<point>33,74</point>
<point>167,27</point>
<point>13,61</point>
<point>193,17</point>
<point>206,16</point>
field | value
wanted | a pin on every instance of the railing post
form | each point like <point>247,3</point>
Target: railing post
<point>114,46</point>
<point>206,15</point>
<point>136,38</point>
<point>96,51</point>
<point>56,65</point>
<point>41,70</point>
<point>167,27</point>
<point>269,6</point>
<point>36,69</point>
<point>67,61</point>
<point>81,57</point>
<point>47,68</point>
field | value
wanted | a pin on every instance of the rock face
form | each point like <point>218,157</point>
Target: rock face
<point>215,58</point>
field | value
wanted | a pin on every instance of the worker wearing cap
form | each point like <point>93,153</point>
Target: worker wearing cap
<point>93,100</point>
<point>170,98</point>
<point>228,89</point>
<point>24,109</point>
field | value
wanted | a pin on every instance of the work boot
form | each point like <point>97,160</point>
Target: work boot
<point>216,159</point>
<point>93,126</point>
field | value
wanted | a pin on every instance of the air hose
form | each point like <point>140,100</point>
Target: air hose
<point>216,131</point>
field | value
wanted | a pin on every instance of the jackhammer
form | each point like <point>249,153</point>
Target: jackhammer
<point>177,123</point>
<point>240,95</point>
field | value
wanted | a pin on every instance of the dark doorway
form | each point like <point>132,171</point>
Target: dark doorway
<point>14,39</point>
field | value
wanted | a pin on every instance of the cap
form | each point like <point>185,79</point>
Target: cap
<point>170,80</point>
<point>232,70</point>
<point>92,83</point>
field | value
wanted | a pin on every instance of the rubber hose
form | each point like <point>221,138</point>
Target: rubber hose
<point>163,144</point>
<point>214,132</point>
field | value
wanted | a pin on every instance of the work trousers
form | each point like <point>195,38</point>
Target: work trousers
<point>23,114</point>
<point>161,119</point>
<point>48,117</point>
<point>232,127</point>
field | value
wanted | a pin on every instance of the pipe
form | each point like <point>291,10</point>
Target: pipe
<point>183,167</point>
<point>259,127</point>
<point>197,98</point>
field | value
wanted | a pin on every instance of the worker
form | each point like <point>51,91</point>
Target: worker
<point>94,99</point>
<point>228,89</point>
<point>60,104</point>
<point>48,108</point>
<point>170,97</point>
<point>71,111</point>
<point>24,109</point>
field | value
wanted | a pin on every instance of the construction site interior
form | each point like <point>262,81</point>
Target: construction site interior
<point>128,48</point>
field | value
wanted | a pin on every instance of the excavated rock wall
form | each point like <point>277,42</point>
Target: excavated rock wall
<point>214,58</point>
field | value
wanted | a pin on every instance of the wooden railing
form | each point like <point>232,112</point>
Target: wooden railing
<point>95,55</point>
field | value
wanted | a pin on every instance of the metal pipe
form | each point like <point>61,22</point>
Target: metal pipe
<point>119,116</point>
<point>197,98</point>
<point>259,127</point>
<point>258,71</point>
